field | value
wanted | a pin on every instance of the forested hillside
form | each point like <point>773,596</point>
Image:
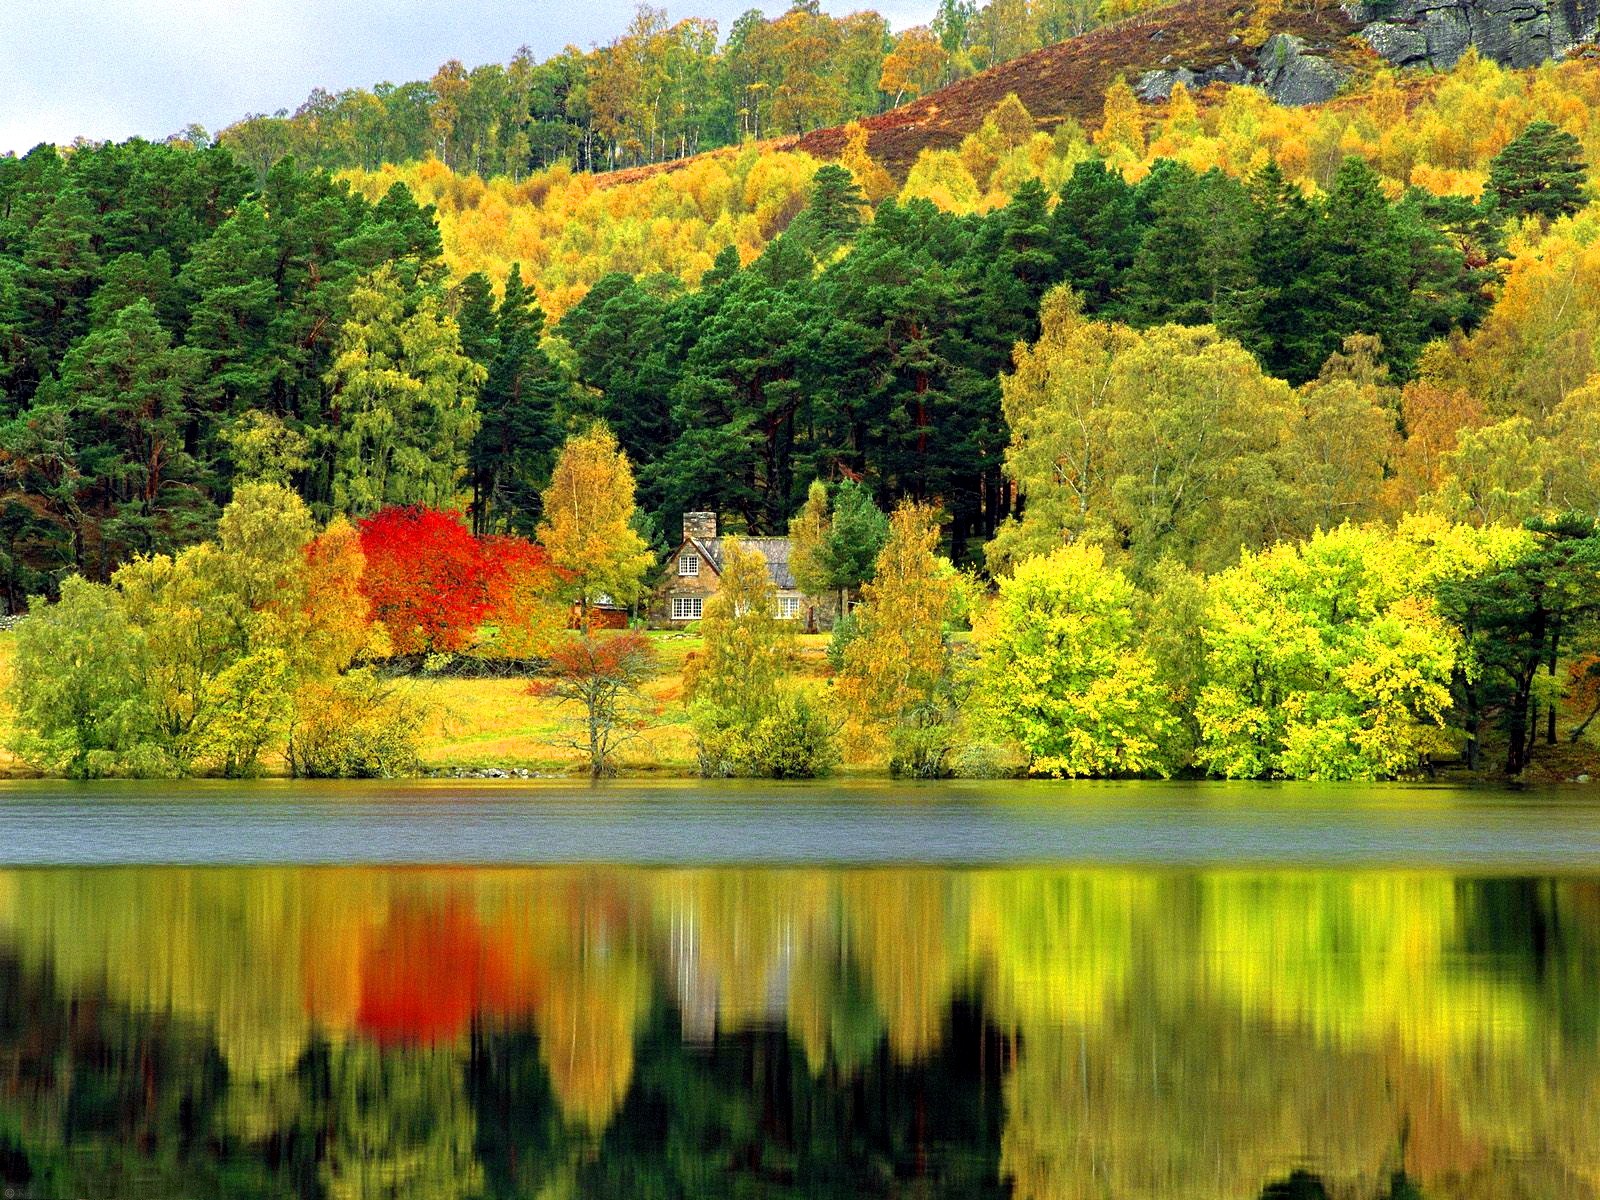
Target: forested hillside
<point>1435,132</point>
<point>166,327</point>
<point>662,90</point>
<point>158,349</point>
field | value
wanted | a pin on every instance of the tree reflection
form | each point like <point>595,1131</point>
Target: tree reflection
<point>1047,1034</point>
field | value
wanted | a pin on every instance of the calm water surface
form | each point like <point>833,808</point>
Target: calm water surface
<point>670,991</point>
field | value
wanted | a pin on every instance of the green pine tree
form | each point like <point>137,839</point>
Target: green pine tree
<point>518,408</point>
<point>832,216</point>
<point>1540,173</point>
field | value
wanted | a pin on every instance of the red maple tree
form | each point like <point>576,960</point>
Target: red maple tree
<point>433,584</point>
<point>425,577</point>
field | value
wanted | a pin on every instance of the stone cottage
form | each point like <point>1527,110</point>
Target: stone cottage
<point>694,572</point>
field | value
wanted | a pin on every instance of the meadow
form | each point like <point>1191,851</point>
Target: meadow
<point>482,724</point>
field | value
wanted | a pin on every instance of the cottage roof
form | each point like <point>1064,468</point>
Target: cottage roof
<point>774,549</point>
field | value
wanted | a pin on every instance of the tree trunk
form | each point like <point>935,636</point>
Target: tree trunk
<point>1524,727</point>
<point>1474,724</point>
<point>1550,716</point>
<point>1517,750</point>
<point>1584,724</point>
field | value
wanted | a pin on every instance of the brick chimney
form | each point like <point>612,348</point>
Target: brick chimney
<point>702,526</point>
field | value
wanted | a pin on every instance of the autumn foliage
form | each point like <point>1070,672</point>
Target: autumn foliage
<point>425,578</point>
<point>428,972</point>
<point>339,615</point>
<point>433,585</point>
<point>520,584</point>
<point>602,679</point>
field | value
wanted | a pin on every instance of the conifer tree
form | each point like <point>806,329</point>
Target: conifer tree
<point>836,542</point>
<point>127,391</point>
<point>1541,172</point>
<point>832,216</point>
<point>231,317</point>
<point>513,449</point>
<point>1097,232</point>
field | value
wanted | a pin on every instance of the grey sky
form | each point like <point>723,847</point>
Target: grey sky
<point>115,68</point>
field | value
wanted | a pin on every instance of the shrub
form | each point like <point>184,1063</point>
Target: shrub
<point>921,744</point>
<point>355,727</point>
<point>845,630</point>
<point>796,740</point>
<point>984,760</point>
<point>721,745</point>
<point>793,739</point>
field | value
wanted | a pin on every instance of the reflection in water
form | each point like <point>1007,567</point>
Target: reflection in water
<point>1045,1034</point>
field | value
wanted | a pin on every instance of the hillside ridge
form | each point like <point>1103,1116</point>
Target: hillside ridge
<point>1306,60</point>
<point>1311,55</point>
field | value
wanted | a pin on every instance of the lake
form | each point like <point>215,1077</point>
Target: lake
<point>673,990</point>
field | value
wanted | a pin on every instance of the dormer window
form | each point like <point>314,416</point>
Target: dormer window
<point>688,564</point>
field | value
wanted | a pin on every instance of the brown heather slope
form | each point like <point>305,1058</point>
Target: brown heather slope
<point>1068,81</point>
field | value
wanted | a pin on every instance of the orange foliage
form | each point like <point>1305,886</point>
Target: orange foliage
<point>339,625</point>
<point>1433,417</point>
<point>427,971</point>
<point>521,591</point>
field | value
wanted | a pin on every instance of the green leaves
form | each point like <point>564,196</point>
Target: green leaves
<point>407,400</point>
<point>164,335</point>
<point>1060,672</point>
<point>1169,442</point>
<point>185,663</point>
<point>126,392</point>
<point>76,691</point>
<point>1322,663</point>
<point>519,407</point>
<point>832,215</point>
<point>836,546</point>
<point>749,720</point>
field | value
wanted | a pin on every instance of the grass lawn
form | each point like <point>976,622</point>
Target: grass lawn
<point>495,723</point>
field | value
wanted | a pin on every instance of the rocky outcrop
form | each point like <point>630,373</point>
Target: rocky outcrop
<point>1291,76</point>
<point>1157,85</point>
<point>1315,52</point>
<point>1407,33</point>
<point>1515,33</point>
<point>1283,69</point>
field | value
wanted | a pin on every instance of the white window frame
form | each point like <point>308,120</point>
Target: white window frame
<point>788,608</point>
<point>688,564</point>
<point>687,608</point>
